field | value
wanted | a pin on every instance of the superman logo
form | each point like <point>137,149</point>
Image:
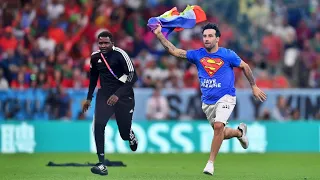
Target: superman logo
<point>211,65</point>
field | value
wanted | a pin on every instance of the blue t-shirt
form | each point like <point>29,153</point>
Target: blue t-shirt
<point>215,72</point>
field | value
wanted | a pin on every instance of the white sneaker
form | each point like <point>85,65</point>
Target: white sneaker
<point>209,169</point>
<point>244,141</point>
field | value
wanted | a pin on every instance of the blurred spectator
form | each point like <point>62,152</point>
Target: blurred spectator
<point>259,13</point>
<point>266,115</point>
<point>295,114</point>
<point>56,33</point>
<point>263,80</point>
<point>58,104</point>
<point>42,80</point>
<point>126,42</point>
<point>314,77</point>
<point>317,116</point>
<point>72,8</point>
<point>64,104</point>
<point>79,81</point>
<point>11,63</point>
<point>135,24</point>
<point>134,4</point>
<point>315,42</point>
<point>55,9</point>
<point>282,111</point>
<point>20,82</point>
<point>37,55</point>
<point>8,15</point>
<point>228,35</point>
<point>51,104</point>
<point>4,85</point>
<point>147,82</point>
<point>273,49</point>
<point>307,57</point>
<point>175,76</point>
<point>153,72</point>
<point>303,32</point>
<point>194,109</point>
<point>116,19</point>
<point>8,41</point>
<point>157,106</point>
<point>190,78</point>
<point>46,44</point>
<point>174,82</point>
<point>288,35</point>
<point>27,15</point>
<point>280,81</point>
<point>58,79</point>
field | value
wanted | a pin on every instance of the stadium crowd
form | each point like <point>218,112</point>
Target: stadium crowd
<point>47,43</point>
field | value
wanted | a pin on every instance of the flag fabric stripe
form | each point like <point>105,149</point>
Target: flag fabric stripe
<point>172,20</point>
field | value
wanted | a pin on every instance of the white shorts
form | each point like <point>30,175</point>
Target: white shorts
<point>221,111</point>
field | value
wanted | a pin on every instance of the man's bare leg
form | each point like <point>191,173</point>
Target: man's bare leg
<point>230,133</point>
<point>220,133</point>
<point>215,146</point>
<point>217,140</point>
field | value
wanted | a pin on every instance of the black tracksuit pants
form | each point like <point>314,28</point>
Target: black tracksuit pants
<point>123,111</point>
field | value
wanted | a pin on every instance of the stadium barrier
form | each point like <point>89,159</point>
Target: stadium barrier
<point>155,137</point>
<point>183,104</point>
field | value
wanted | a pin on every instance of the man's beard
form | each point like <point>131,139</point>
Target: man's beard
<point>209,48</point>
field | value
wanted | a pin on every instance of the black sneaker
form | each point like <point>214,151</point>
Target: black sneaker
<point>100,169</point>
<point>133,142</point>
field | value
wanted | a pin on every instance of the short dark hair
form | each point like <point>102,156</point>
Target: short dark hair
<point>106,34</point>
<point>212,26</point>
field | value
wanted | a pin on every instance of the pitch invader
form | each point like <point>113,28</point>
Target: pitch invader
<point>215,70</point>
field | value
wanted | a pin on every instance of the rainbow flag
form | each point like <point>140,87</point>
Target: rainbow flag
<point>174,21</point>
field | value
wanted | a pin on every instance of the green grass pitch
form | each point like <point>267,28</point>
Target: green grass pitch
<point>270,166</point>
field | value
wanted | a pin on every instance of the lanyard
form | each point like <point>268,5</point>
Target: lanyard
<point>109,66</point>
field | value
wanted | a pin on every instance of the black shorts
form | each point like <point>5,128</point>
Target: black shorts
<point>123,111</point>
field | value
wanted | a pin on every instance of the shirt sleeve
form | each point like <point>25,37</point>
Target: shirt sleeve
<point>94,75</point>
<point>234,59</point>
<point>129,71</point>
<point>191,56</point>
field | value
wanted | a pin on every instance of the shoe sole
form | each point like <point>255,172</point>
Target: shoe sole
<point>245,145</point>
<point>245,134</point>
<point>207,173</point>
<point>94,171</point>
<point>245,128</point>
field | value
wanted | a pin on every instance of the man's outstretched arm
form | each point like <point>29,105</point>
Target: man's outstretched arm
<point>257,92</point>
<point>248,73</point>
<point>180,53</point>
